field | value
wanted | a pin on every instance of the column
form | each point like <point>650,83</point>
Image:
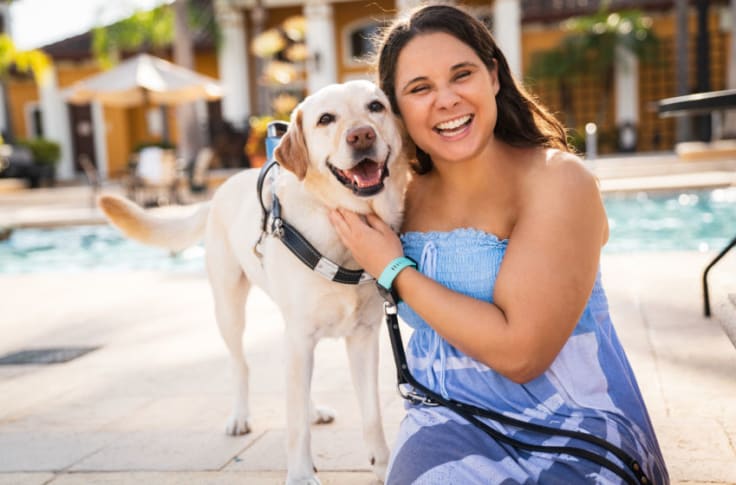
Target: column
<point>682,66</point>
<point>702,122</point>
<point>232,61</point>
<point>729,122</point>
<point>626,85</point>
<point>322,64</point>
<point>507,32</point>
<point>100,136</point>
<point>56,121</point>
<point>7,25</point>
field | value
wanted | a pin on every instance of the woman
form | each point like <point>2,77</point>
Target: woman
<point>507,305</point>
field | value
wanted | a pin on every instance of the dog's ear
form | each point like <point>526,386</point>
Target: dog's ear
<point>291,151</point>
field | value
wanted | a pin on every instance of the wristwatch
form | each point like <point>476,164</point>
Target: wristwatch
<point>384,283</point>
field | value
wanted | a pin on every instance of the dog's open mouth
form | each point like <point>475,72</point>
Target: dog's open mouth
<point>364,179</point>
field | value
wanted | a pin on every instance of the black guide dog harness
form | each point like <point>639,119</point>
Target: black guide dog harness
<point>273,224</point>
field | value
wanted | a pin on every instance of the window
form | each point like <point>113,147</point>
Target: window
<point>33,120</point>
<point>358,41</point>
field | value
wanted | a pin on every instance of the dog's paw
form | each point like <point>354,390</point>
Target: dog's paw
<point>237,425</point>
<point>311,480</point>
<point>379,464</point>
<point>322,415</point>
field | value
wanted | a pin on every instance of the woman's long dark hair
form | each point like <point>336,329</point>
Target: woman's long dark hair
<point>521,121</point>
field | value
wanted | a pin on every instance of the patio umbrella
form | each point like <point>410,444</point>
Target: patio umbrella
<point>144,79</point>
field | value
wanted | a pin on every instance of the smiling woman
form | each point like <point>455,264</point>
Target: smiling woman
<point>511,327</point>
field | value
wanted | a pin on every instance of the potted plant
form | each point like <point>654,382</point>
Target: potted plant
<point>46,155</point>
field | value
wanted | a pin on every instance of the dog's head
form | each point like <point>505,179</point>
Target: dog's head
<point>344,140</point>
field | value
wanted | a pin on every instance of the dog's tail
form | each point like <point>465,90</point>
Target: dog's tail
<point>172,233</point>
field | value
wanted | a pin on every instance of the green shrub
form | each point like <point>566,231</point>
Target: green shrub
<point>45,152</point>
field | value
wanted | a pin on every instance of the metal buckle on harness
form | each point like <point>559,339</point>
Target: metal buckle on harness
<point>415,398</point>
<point>277,227</point>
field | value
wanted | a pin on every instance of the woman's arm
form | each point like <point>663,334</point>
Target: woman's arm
<point>542,287</point>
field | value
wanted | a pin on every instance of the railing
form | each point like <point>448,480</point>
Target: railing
<point>555,10</point>
<point>709,102</point>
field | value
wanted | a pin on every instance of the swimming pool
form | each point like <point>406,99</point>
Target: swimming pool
<point>88,248</point>
<point>702,220</point>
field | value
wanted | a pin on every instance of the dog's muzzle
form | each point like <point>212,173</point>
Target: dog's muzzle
<point>365,178</point>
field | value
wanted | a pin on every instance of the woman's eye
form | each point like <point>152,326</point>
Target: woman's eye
<point>326,119</point>
<point>462,74</point>
<point>376,107</point>
<point>418,89</point>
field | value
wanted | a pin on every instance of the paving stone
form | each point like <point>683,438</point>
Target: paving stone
<point>332,450</point>
<point>44,450</point>
<point>165,450</point>
<point>208,478</point>
<point>155,396</point>
<point>25,478</point>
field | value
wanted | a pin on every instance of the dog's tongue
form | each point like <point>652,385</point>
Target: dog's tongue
<point>366,174</point>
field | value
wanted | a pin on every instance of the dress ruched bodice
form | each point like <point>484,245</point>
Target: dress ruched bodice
<point>590,386</point>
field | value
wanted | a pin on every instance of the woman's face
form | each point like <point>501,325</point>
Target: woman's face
<point>446,96</point>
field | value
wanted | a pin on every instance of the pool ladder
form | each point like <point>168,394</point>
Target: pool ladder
<point>706,295</point>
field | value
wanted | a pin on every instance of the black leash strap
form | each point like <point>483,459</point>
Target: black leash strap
<point>633,475</point>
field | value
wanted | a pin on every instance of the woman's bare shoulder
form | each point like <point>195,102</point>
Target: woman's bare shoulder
<point>562,188</point>
<point>557,171</point>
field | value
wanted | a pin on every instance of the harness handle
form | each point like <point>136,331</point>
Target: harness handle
<point>274,132</point>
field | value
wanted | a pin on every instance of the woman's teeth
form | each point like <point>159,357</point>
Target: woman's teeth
<point>453,127</point>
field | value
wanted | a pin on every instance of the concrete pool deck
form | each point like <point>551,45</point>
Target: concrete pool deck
<point>149,405</point>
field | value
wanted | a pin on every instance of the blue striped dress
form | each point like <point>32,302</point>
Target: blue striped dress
<point>589,387</point>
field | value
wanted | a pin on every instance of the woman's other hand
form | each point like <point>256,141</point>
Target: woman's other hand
<point>373,243</point>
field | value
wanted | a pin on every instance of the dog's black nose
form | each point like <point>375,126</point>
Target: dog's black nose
<point>361,138</point>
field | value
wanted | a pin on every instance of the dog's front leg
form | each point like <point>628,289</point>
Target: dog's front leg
<point>362,348</point>
<point>300,362</point>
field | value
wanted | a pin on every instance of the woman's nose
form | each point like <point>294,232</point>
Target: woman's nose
<point>447,97</point>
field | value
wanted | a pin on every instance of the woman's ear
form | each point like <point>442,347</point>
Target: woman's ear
<point>493,72</point>
<point>291,152</point>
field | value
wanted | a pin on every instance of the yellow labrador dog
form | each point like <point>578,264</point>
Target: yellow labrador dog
<point>343,148</point>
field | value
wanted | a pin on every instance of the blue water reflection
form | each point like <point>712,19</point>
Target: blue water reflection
<point>703,220</point>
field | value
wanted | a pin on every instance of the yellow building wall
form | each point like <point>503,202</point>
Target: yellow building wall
<point>20,94</point>
<point>656,81</point>
<point>346,16</point>
<point>126,128</point>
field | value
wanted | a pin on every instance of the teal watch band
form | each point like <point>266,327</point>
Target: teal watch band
<point>392,270</point>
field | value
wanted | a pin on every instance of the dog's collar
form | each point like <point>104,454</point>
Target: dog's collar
<point>273,224</point>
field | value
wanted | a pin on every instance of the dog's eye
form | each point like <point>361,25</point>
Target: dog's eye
<point>376,107</point>
<point>326,119</point>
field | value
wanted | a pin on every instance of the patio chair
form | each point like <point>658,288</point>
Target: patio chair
<point>155,180</point>
<point>93,178</point>
<point>199,173</point>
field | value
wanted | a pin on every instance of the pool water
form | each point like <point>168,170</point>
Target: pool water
<point>703,220</point>
<point>88,248</point>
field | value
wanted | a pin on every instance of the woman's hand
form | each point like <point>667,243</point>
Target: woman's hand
<point>372,242</point>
